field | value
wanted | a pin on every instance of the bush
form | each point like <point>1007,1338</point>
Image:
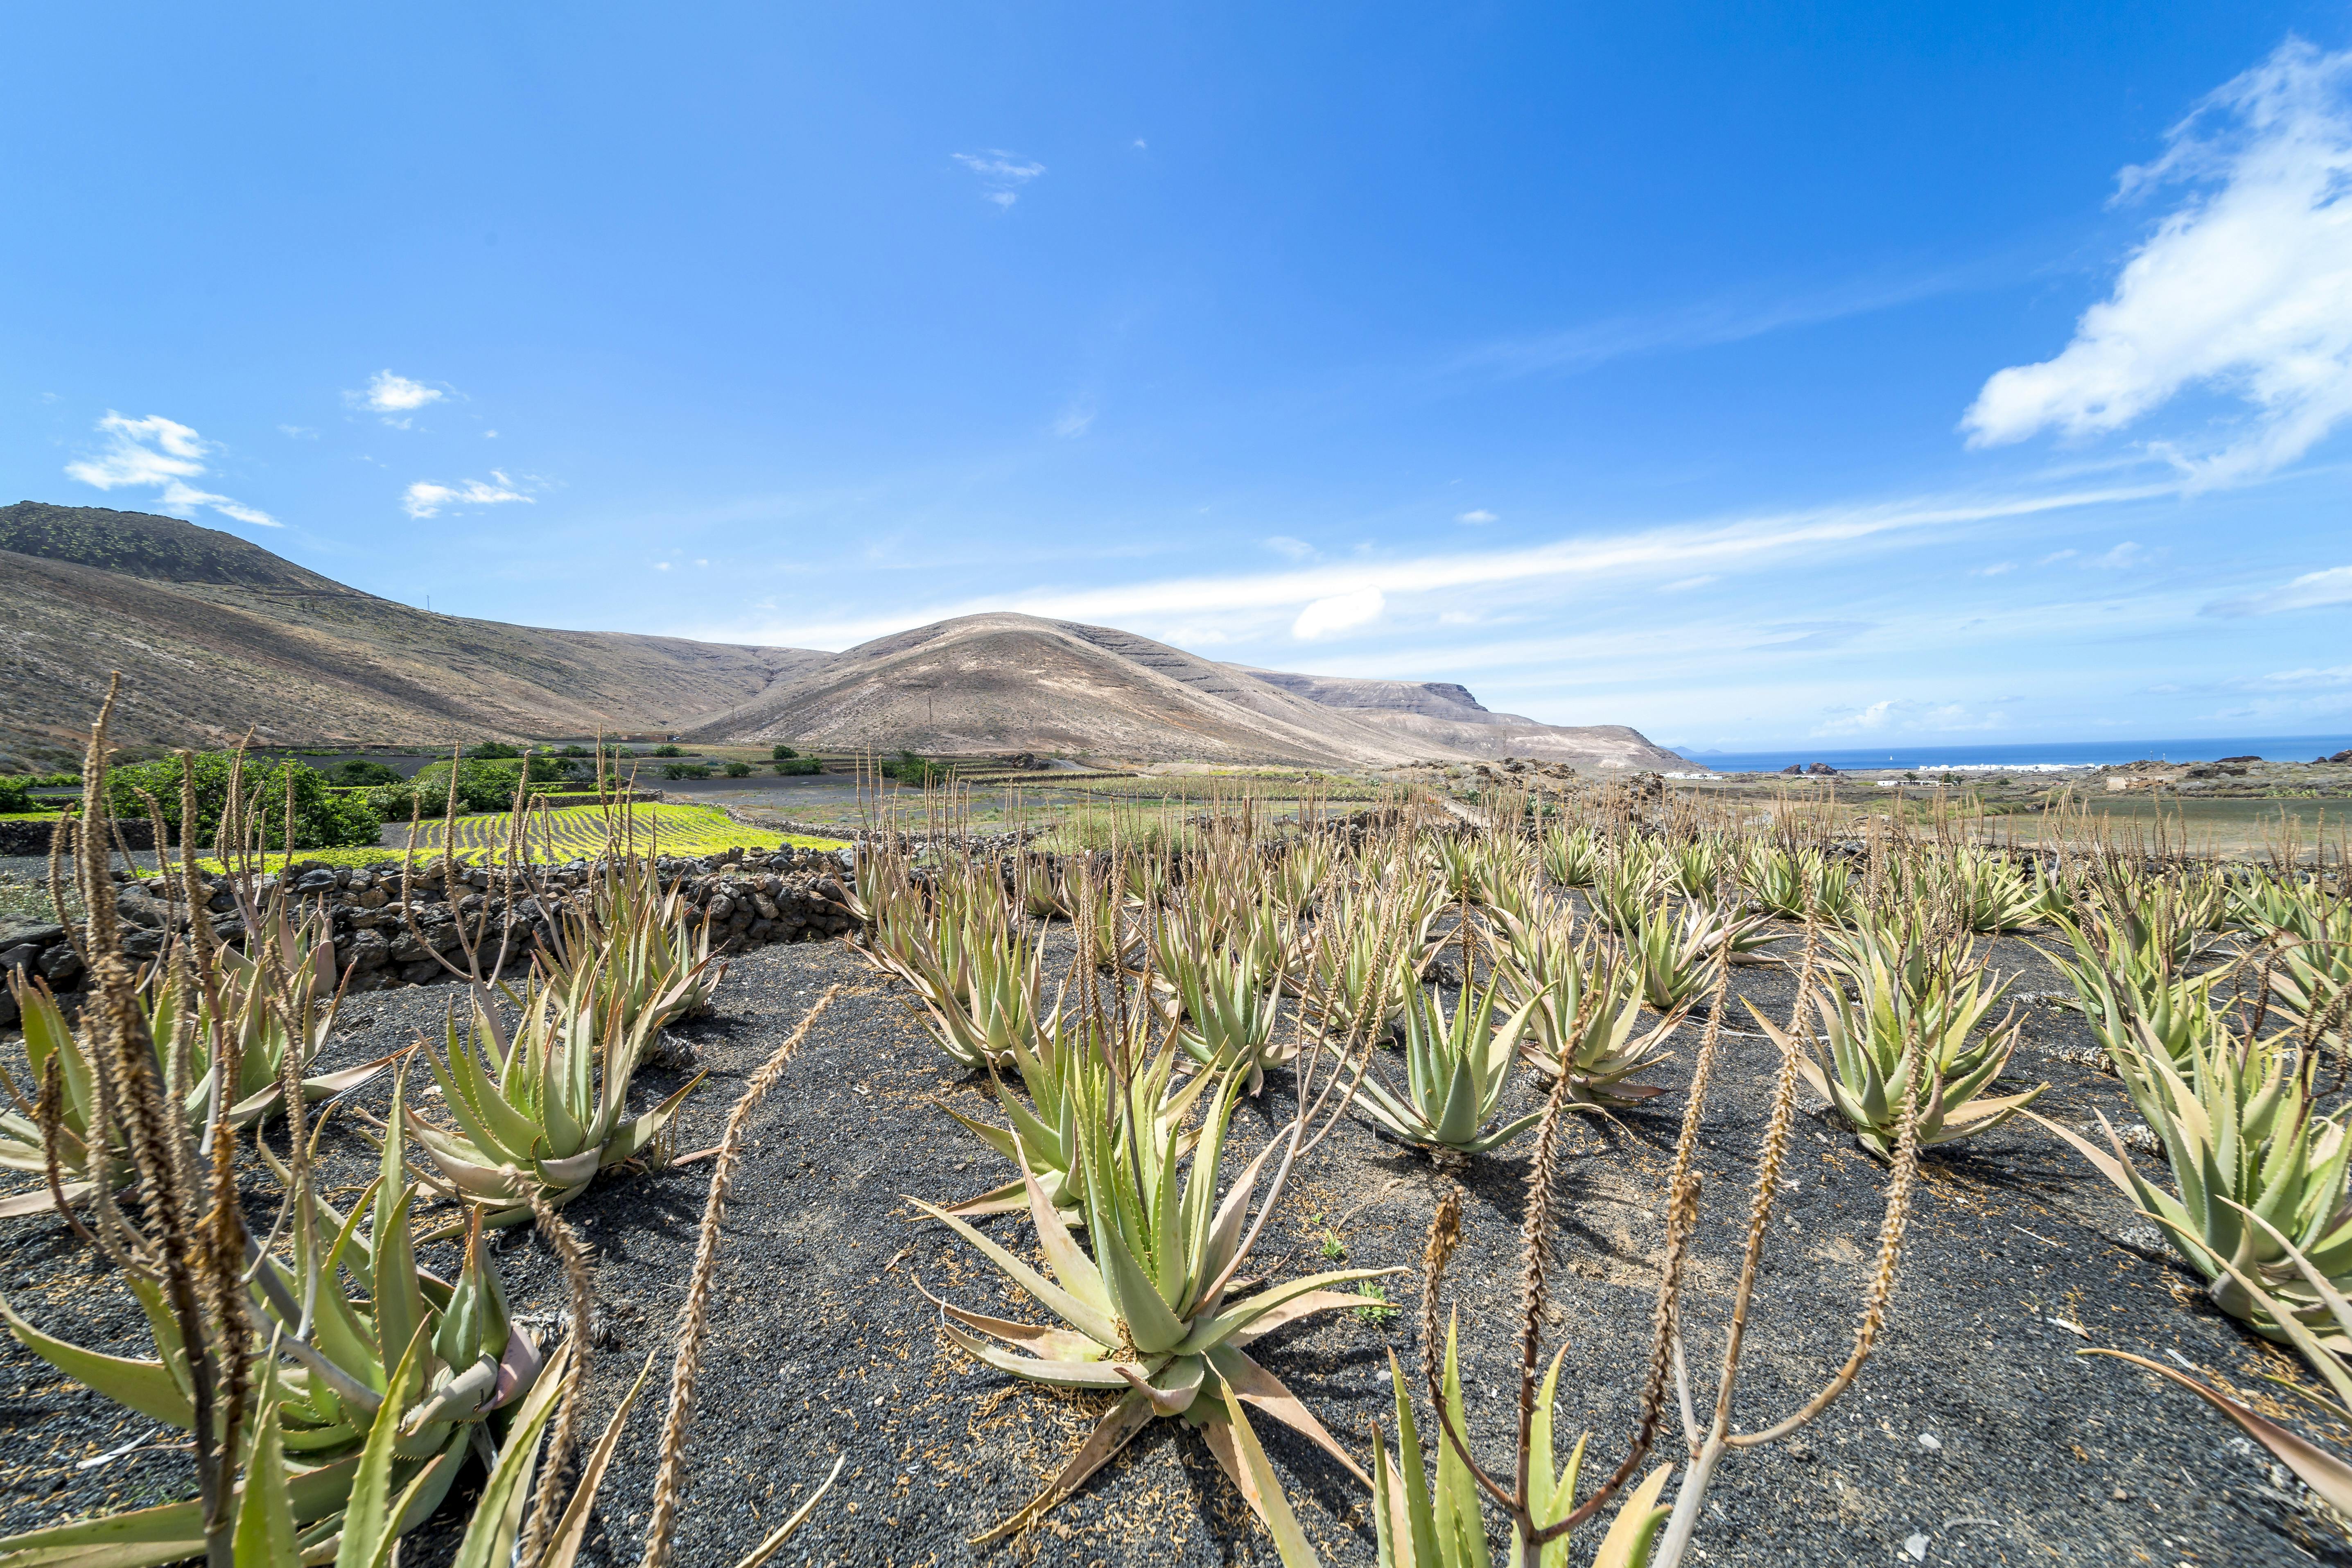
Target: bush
<point>489,751</point>
<point>799,765</point>
<point>668,751</point>
<point>908,768</point>
<point>360,772</point>
<point>738,770</point>
<point>322,820</point>
<point>14,796</point>
<point>575,752</point>
<point>481,786</point>
<point>685,770</point>
<point>785,753</point>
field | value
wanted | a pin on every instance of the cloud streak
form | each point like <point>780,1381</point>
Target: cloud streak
<point>164,454</point>
<point>1260,602</point>
<point>1003,175</point>
<point>394,397</point>
<point>2312,591</point>
<point>427,499</point>
<point>2244,289</point>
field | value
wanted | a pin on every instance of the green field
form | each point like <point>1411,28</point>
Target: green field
<point>579,832</point>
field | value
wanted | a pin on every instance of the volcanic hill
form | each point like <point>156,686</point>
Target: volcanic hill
<point>214,634</point>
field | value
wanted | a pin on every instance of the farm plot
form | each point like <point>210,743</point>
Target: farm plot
<point>579,832</point>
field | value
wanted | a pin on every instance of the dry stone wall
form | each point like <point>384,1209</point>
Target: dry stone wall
<point>388,929</point>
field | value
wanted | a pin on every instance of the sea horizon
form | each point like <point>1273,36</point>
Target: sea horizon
<point>2036,756</point>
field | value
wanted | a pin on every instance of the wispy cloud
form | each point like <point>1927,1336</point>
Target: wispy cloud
<point>1339,613</point>
<point>1477,519</point>
<point>1074,421</point>
<point>2243,288</point>
<point>1003,175</point>
<point>2311,591</point>
<point>1893,715</point>
<point>426,498</point>
<point>162,454</point>
<point>1264,603</point>
<point>1291,548</point>
<point>1705,324</point>
<point>1804,637</point>
<point>394,397</point>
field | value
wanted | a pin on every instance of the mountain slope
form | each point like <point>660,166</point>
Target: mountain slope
<point>214,635</point>
<point>1019,683</point>
<point>1012,683</point>
<point>1436,717</point>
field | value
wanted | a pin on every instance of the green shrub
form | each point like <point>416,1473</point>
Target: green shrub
<point>492,750</point>
<point>668,751</point>
<point>738,770</point>
<point>799,765</point>
<point>14,796</point>
<point>785,753</point>
<point>908,768</point>
<point>481,786</point>
<point>322,819</point>
<point>359,772</point>
<point>686,770</point>
<point>576,751</point>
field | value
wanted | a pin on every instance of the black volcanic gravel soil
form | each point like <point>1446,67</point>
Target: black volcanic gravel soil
<point>1976,1433</point>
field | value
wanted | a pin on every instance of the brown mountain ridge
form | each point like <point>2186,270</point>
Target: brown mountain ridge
<point>215,634</point>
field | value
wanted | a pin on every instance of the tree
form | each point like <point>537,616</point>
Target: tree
<point>785,753</point>
<point>668,751</point>
<point>360,772</point>
<point>322,819</point>
<point>738,770</point>
<point>492,750</point>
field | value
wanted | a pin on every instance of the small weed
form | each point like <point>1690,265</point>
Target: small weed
<point>1376,1308</point>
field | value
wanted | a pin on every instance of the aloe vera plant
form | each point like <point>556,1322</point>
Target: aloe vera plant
<point>1587,1014</point>
<point>1147,1317</point>
<point>2259,1175</point>
<point>2131,994</point>
<point>1418,1525</point>
<point>268,1005</point>
<point>647,952</point>
<point>1571,856</point>
<point>1456,1066</point>
<point>1227,1016</point>
<point>442,1356</point>
<point>546,1110</point>
<point>1918,997</point>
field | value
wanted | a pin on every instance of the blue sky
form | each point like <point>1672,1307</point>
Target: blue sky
<point>1748,374</point>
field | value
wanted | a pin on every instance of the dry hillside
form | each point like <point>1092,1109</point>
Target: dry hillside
<point>214,634</point>
<point>1012,683</point>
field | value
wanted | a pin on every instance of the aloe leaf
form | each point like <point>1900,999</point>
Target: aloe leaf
<point>265,1516</point>
<point>489,1539</point>
<point>2320,1470</point>
<point>1095,1322</point>
<point>1237,1448</point>
<point>146,1386</point>
<point>368,1518</point>
<point>1635,1531</point>
<point>573,1529</point>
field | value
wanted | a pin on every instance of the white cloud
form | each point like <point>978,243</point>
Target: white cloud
<point>1075,421</point>
<point>1339,613</point>
<point>2057,555</point>
<point>299,432</point>
<point>1477,519</point>
<point>425,499</point>
<point>2311,591</point>
<point>1282,544</point>
<point>2244,289</point>
<point>2123,555</point>
<point>163,454</point>
<point>393,397</point>
<point>1685,584</point>
<point>1871,718</point>
<point>661,565</point>
<point>1259,603</point>
<point>2335,675</point>
<point>1002,173</point>
<point>701,561</point>
<point>1997,569</point>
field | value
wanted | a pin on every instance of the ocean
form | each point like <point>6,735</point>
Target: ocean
<point>1998,756</point>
